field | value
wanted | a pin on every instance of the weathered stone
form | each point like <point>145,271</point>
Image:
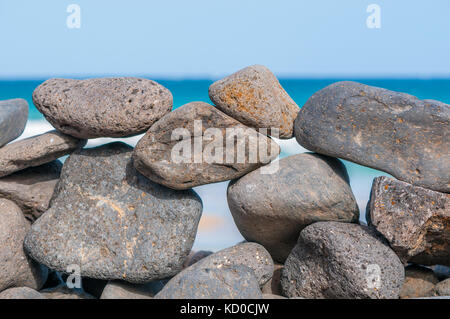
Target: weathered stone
<point>188,147</point>
<point>32,188</point>
<point>124,290</point>
<point>443,288</point>
<point>105,107</point>
<point>254,97</point>
<point>13,118</point>
<point>419,282</point>
<point>21,293</point>
<point>415,220</point>
<point>251,255</point>
<point>273,286</point>
<point>63,292</point>
<point>272,209</point>
<point>229,282</point>
<point>196,256</point>
<point>112,222</point>
<point>36,150</point>
<point>341,260</point>
<point>390,131</point>
<point>16,269</point>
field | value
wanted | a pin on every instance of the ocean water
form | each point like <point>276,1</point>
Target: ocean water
<point>217,229</point>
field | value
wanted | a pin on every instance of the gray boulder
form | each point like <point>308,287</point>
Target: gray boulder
<point>419,282</point>
<point>390,131</point>
<point>21,293</point>
<point>125,290</point>
<point>13,118</point>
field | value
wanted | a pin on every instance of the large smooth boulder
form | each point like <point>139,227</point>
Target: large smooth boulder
<point>394,132</point>
<point>13,118</point>
<point>272,209</point>
<point>415,220</point>
<point>112,222</point>
<point>254,97</point>
<point>197,144</point>
<point>341,261</point>
<point>103,107</point>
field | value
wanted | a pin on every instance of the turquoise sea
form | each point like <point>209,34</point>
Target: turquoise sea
<point>217,229</point>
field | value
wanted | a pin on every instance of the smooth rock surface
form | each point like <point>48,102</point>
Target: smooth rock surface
<point>114,223</point>
<point>341,260</point>
<point>254,97</point>
<point>415,220</point>
<point>21,293</point>
<point>124,290</point>
<point>443,288</point>
<point>272,209</point>
<point>32,188</point>
<point>229,282</point>
<point>171,158</point>
<point>13,118</point>
<point>16,269</point>
<point>390,131</point>
<point>103,107</point>
<point>419,282</point>
<point>36,151</point>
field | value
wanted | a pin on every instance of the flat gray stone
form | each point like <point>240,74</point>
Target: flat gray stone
<point>103,107</point>
<point>390,131</point>
<point>114,223</point>
<point>36,151</point>
<point>419,282</point>
<point>124,290</point>
<point>413,219</point>
<point>272,209</point>
<point>13,118</point>
<point>229,282</point>
<point>21,293</point>
<point>341,261</point>
<point>254,97</point>
<point>175,161</point>
<point>16,269</point>
<point>443,288</point>
<point>32,188</point>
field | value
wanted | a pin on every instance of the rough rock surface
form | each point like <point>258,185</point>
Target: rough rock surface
<point>341,260</point>
<point>390,131</point>
<point>199,155</point>
<point>32,188</point>
<point>415,220</point>
<point>21,293</point>
<point>229,282</point>
<point>16,269</point>
<point>443,288</point>
<point>112,222</point>
<point>36,150</point>
<point>254,97</point>
<point>104,107</point>
<point>63,292</point>
<point>124,290</point>
<point>419,282</point>
<point>272,209</point>
<point>13,118</point>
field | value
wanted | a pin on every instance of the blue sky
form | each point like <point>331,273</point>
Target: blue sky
<point>210,38</point>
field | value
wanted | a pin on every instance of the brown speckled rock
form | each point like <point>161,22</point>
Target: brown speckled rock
<point>341,261</point>
<point>154,154</point>
<point>21,293</point>
<point>390,131</point>
<point>104,107</point>
<point>254,97</point>
<point>415,220</point>
<point>272,209</point>
<point>114,223</point>
<point>443,288</point>
<point>16,269</point>
<point>32,188</point>
<point>13,117</point>
<point>36,150</point>
<point>419,282</point>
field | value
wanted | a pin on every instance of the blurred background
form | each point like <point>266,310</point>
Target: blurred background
<point>402,45</point>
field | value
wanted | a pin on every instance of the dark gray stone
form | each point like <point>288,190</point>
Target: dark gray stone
<point>341,260</point>
<point>419,282</point>
<point>168,159</point>
<point>415,220</point>
<point>272,209</point>
<point>21,293</point>
<point>390,131</point>
<point>229,282</point>
<point>105,107</point>
<point>112,222</point>
<point>254,97</point>
<point>32,188</point>
<point>16,269</point>
<point>13,118</point>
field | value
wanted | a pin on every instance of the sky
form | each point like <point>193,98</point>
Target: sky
<point>212,38</point>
